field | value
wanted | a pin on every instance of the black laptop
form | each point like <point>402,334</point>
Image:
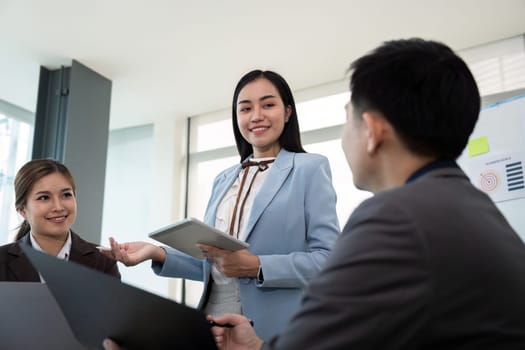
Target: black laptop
<point>98,306</point>
<point>31,319</point>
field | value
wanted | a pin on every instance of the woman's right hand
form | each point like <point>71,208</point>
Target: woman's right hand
<point>133,253</point>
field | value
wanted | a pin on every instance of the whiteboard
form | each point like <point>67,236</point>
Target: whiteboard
<point>497,166</point>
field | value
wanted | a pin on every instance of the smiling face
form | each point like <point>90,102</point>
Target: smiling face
<point>261,116</point>
<point>50,206</point>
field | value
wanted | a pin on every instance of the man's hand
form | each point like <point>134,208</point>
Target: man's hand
<point>109,344</point>
<point>239,337</point>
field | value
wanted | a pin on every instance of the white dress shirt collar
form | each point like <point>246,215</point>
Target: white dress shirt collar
<point>62,254</point>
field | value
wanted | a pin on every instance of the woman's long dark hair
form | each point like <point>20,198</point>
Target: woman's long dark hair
<point>26,178</point>
<point>290,138</point>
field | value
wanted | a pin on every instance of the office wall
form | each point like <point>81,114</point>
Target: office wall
<point>19,83</point>
<point>127,214</point>
<point>144,182</point>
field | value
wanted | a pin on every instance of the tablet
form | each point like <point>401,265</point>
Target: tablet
<point>97,305</point>
<point>185,234</point>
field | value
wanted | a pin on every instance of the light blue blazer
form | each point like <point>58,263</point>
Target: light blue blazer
<point>292,227</point>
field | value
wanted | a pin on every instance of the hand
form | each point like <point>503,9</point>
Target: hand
<point>240,337</point>
<point>240,263</point>
<point>133,253</point>
<point>109,344</point>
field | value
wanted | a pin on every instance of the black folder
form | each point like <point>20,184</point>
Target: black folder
<point>98,306</point>
<point>31,319</point>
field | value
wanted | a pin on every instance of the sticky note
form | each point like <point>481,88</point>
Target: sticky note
<point>478,146</point>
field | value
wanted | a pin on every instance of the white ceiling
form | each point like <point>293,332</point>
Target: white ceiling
<point>174,58</point>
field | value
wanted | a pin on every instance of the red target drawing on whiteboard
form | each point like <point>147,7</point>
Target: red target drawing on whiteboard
<point>489,181</point>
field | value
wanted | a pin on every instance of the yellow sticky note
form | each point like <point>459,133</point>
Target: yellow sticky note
<point>478,146</point>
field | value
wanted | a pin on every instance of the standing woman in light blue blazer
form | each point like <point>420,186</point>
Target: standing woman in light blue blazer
<point>279,199</point>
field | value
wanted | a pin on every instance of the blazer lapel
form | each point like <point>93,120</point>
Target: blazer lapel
<point>19,264</point>
<point>276,177</point>
<point>223,185</point>
<point>81,251</point>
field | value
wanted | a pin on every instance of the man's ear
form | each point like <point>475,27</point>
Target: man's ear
<point>375,129</point>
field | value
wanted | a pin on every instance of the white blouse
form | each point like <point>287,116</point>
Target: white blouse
<point>225,209</point>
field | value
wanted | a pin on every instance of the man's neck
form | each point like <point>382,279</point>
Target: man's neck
<point>393,171</point>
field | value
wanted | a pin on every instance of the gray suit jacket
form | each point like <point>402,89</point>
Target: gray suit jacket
<point>15,266</point>
<point>430,265</point>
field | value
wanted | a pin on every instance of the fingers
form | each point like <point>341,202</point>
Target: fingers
<point>212,252</point>
<point>231,319</point>
<point>216,330</point>
<point>106,251</point>
<point>219,340</point>
<point>115,249</point>
<point>109,344</point>
<point>115,246</point>
<point>119,251</point>
<point>205,249</point>
<point>215,255</point>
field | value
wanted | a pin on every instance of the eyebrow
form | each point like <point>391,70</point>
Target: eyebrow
<point>47,192</point>
<point>261,99</point>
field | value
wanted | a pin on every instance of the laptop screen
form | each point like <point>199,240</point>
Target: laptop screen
<point>98,306</point>
<point>31,319</point>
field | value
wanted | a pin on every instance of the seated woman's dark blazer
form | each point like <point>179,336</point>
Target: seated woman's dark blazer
<point>14,265</point>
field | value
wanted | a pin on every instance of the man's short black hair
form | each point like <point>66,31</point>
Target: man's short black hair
<point>423,89</point>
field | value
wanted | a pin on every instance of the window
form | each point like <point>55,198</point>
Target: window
<point>499,66</point>
<point>15,147</point>
<point>322,112</point>
<point>348,196</point>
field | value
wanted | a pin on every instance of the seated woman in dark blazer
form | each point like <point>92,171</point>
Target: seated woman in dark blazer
<point>46,199</point>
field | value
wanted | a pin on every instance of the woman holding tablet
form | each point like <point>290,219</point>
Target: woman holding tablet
<point>279,199</point>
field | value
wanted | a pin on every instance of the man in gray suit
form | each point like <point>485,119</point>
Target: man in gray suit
<point>429,262</point>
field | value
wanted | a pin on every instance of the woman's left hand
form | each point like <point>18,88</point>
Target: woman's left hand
<point>240,263</point>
